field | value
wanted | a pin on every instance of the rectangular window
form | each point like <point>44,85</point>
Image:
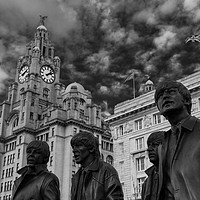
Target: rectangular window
<point>39,117</point>
<point>52,146</point>
<point>52,131</point>
<point>6,147</point>
<point>121,147</point>
<point>5,186</point>
<point>75,105</point>
<point>69,105</point>
<point>12,171</point>
<point>121,131</point>
<point>8,160</point>
<point>1,188</point>
<point>10,185</point>
<point>47,136</point>
<point>140,164</point>
<point>2,175</point>
<point>107,146</point>
<point>23,102</point>
<point>31,115</point>
<point>6,173</point>
<point>121,167</point>
<point>111,147</point>
<point>20,139</point>
<point>22,118</point>
<point>140,181</point>
<point>18,154</point>
<point>138,124</point>
<point>4,161</point>
<point>51,160</point>
<point>156,118</point>
<point>13,158</point>
<point>140,143</point>
<point>103,145</point>
<point>32,102</point>
<point>97,113</point>
<point>9,172</point>
<point>41,137</point>
<point>17,167</point>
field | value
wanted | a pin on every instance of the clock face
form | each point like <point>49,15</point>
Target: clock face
<point>23,74</point>
<point>47,74</point>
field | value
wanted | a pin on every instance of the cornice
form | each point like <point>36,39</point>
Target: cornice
<point>130,112</point>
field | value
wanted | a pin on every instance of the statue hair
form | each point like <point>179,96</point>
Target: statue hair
<point>43,147</point>
<point>88,140</point>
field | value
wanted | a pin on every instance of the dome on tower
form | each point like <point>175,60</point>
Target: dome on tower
<point>149,82</point>
<point>148,86</point>
<point>56,58</point>
<point>75,86</point>
<point>36,49</point>
<point>41,27</point>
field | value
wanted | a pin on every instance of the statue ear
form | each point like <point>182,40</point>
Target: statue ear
<point>91,150</point>
<point>186,102</point>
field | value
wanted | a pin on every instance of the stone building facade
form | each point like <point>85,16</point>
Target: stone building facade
<point>39,107</point>
<point>131,124</point>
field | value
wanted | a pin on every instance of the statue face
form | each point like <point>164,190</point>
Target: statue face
<point>169,100</point>
<point>81,153</point>
<point>153,152</point>
<point>34,156</point>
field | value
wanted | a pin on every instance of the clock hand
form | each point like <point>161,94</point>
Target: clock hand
<point>49,73</point>
<point>24,73</point>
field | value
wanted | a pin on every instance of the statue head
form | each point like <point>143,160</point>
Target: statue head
<point>37,152</point>
<point>85,140</point>
<point>183,91</point>
<point>153,141</point>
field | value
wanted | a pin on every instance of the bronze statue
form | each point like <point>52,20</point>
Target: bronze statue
<point>96,179</point>
<point>150,187</point>
<point>181,145</point>
<point>36,182</point>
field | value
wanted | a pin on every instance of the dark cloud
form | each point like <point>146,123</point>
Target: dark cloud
<point>101,42</point>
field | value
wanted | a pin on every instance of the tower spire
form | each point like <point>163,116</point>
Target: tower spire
<point>42,19</point>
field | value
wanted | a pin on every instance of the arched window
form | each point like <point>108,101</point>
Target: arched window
<point>45,92</point>
<point>82,102</point>
<point>64,103</point>
<point>15,122</point>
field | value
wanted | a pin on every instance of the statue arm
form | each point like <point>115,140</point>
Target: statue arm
<point>113,188</point>
<point>50,189</point>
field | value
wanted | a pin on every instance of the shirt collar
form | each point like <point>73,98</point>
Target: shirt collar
<point>187,123</point>
<point>32,170</point>
<point>93,166</point>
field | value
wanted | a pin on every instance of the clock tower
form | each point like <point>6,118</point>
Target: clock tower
<point>37,77</point>
<point>39,107</point>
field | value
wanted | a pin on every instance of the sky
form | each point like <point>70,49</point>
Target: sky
<point>102,42</point>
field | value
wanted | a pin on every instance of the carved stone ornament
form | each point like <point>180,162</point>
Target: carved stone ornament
<point>147,121</point>
<point>114,133</point>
